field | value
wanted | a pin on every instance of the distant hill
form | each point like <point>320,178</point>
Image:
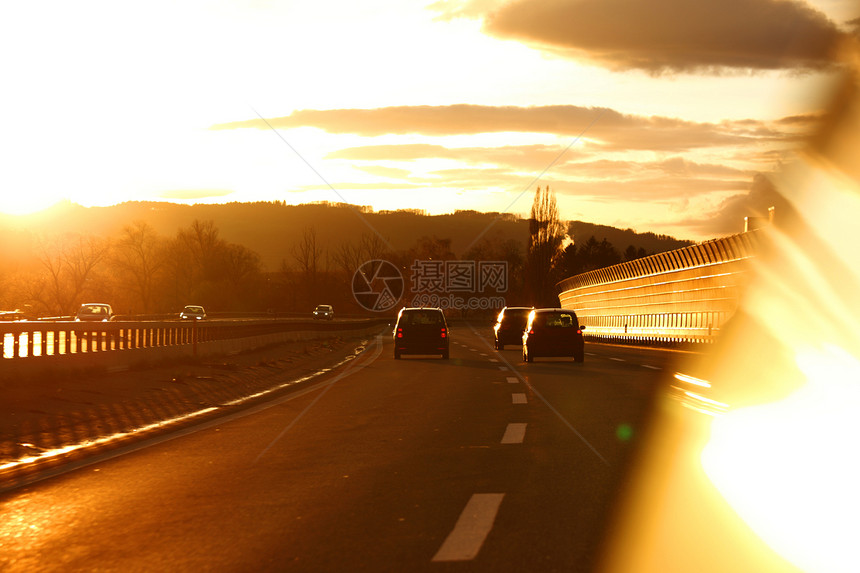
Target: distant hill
<point>580,231</point>
<point>271,229</point>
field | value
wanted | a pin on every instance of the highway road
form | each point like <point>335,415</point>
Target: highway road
<point>478,463</point>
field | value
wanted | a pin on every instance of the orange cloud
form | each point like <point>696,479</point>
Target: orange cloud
<point>523,157</point>
<point>607,128</point>
<point>660,36</point>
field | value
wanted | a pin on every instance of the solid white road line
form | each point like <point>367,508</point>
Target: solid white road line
<point>518,399</point>
<point>475,522</point>
<point>514,434</point>
<point>513,380</point>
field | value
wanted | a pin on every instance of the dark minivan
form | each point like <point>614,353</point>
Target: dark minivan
<point>510,325</point>
<point>421,331</point>
<point>553,332</point>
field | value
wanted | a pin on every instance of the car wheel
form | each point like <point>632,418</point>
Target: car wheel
<point>396,355</point>
<point>579,358</point>
<point>500,346</point>
<point>445,355</point>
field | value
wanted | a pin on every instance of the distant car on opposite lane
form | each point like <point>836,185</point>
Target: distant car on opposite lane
<point>323,312</point>
<point>94,312</point>
<point>510,325</point>
<point>553,332</point>
<point>421,331</point>
<point>192,312</point>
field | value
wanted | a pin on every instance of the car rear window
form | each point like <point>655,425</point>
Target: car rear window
<point>516,314</point>
<point>421,317</point>
<point>93,310</point>
<point>558,320</point>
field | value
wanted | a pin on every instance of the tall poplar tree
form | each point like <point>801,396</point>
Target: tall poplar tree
<point>546,234</point>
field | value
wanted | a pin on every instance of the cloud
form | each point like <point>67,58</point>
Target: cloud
<point>674,167</point>
<point>434,120</point>
<point>728,218</point>
<point>660,36</point>
<point>606,128</point>
<point>520,157</point>
<point>382,171</point>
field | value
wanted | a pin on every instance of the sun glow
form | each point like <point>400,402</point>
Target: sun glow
<point>771,463</point>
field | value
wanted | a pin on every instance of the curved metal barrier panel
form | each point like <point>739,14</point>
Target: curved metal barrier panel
<point>685,295</point>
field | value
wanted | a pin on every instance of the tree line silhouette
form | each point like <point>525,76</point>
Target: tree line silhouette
<point>143,272</point>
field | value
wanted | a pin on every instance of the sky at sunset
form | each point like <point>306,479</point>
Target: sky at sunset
<point>655,115</point>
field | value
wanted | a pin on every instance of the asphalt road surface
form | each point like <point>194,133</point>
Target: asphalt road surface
<point>477,463</point>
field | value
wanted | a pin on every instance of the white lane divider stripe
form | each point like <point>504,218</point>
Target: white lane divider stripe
<point>617,359</point>
<point>518,398</point>
<point>474,524</point>
<point>513,380</point>
<point>514,434</point>
<point>651,367</point>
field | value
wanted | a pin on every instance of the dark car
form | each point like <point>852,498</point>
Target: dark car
<point>94,312</point>
<point>192,312</point>
<point>510,325</point>
<point>421,331</point>
<point>323,312</point>
<point>553,332</point>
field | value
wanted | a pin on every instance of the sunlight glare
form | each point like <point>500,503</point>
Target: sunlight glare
<point>783,466</point>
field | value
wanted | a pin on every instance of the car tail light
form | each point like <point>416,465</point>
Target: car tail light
<point>444,332</point>
<point>531,331</point>
<point>399,333</point>
<point>579,331</point>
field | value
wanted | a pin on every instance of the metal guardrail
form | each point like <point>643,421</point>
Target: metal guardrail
<point>60,342</point>
<point>679,296</point>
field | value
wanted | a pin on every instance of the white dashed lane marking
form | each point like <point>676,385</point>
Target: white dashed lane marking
<point>617,359</point>
<point>518,399</point>
<point>513,380</point>
<point>465,540</point>
<point>651,367</point>
<point>514,434</point>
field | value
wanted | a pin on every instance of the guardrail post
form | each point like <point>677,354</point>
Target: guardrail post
<point>194,339</point>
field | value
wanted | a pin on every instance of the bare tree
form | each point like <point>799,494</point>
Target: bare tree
<point>352,255</point>
<point>306,254</point>
<point>194,263</point>
<point>546,234</point>
<point>139,258</point>
<point>68,264</point>
<point>309,258</point>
